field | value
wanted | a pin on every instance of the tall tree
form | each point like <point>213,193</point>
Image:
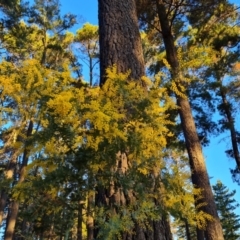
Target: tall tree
<point>16,40</point>
<point>193,144</point>
<point>167,13</point>
<point>185,231</point>
<point>226,205</point>
<point>219,76</point>
<point>120,46</point>
<point>119,38</point>
<point>87,39</point>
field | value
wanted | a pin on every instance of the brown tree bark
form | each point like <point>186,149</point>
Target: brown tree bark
<point>4,196</point>
<point>188,235</point>
<point>120,42</point>
<point>198,168</point>
<point>120,45</point>
<point>90,219</point>
<point>3,203</point>
<point>231,125</point>
<point>12,220</point>
<point>80,221</point>
<point>10,169</point>
<point>15,204</point>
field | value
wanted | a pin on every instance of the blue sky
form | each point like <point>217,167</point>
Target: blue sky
<point>218,164</point>
<point>86,10</point>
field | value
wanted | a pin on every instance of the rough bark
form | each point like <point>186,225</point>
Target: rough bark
<point>120,42</point>
<point>198,168</point>
<point>120,45</point>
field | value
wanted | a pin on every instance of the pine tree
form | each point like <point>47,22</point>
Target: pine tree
<point>193,144</point>
<point>24,50</point>
<point>226,205</point>
<point>186,43</point>
<point>122,47</point>
<point>119,38</point>
<point>87,39</point>
<point>64,141</point>
<point>184,230</point>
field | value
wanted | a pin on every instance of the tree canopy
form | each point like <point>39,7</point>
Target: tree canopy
<point>117,154</point>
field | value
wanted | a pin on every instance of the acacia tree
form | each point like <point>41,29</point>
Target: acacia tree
<point>75,131</point>
<point>193,144</point>
<point>80,131</point>
<point>20,44</point>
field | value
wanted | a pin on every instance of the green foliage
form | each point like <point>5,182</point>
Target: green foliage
<point>226,205</point>
<point>184,230</point>
<point>86,40</point>
<point>79,131</point>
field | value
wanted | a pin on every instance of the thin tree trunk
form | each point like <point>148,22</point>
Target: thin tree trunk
<point>12,220</point>
<point>15,204</point>
<point>90,222</point>
<point>51,231</point>
<point>233,133</point>
<point>3,203</point>
<point>80,221</point>
<point>67,231</point>
<point>91,70</point>
<point>188,234</point>
<point>200,234</point>
<point>198,169</point>
<point>9,175</point>
<point>7,220</point>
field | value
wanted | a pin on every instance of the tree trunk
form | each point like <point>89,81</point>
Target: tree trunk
<point>15,204</point>
<point>80,221</point>
<point>187,229</point>
<point>120,42</point>
<point>9,175</point>
<point>200,234</point>
<point>12,221</point>
<point>198,169</point>
<point>90,221</point>
<point>3,203</point>
<point>91,71</point>
<point>120,46</point>
<point>230,119</point>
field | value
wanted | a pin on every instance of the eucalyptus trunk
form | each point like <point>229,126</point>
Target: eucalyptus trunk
<point>199,173</point>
